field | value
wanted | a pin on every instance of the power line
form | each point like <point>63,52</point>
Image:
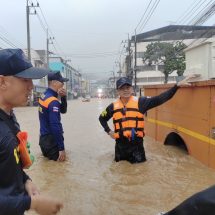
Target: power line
<point>119,52</point>
<point>90,57</point>
<point>8,42</point>
<point>90,73</point>
<point>55,49</point>
<point>95,53</point>
<point>201,36</point>
<point>144,14</point>
<point>204,33</point>
<point>153,8</point>
<point>178,51</point>
<point>188,11</point>
<point>52,34</point>
<point>193,11</point>
<point>208,14</point>
<point>200,19</point>
<point>45,26</point>
<point>41,23</point>
<point>191,43</point>
<point>2,45</point>
<point>7,35</point>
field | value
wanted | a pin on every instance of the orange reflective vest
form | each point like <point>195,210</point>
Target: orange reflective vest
<point>45,103</point>
<point>128,119</point>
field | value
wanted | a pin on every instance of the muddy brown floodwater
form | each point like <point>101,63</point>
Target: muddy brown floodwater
<point>90,183</point>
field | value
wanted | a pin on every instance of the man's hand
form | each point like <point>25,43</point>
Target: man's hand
<point>62,92</point>
<point>186,80</point>
<point>62,156</point>
<point>31,188</point>
<point>45,205</point>
<point>111,133</point>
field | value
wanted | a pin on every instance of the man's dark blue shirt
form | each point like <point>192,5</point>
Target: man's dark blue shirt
<point>50,118</point>
<point>13,197</point>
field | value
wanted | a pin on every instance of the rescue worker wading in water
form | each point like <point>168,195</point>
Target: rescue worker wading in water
<point>50,109</point>
<point>128,119</point>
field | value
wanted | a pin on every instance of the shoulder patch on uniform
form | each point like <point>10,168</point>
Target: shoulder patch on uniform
<point>104,113</point>
<point>55,109</point>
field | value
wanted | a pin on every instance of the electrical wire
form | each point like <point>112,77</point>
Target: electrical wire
<point>5,40</point>
<point>150,14</point>
<point>50,30</point>
<point>189,11</point>
<point>144,14</point>
<point>200,15</point>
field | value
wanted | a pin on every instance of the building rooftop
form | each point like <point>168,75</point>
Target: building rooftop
<point>176,32</point>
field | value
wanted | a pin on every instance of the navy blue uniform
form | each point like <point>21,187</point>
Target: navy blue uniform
<point>202,203</point>
<point>51,130</point>
<point>13,197</point>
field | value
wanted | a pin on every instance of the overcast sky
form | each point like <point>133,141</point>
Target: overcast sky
<point>84,28</point>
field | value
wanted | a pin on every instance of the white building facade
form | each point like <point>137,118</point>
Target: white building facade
<point>153,74</point>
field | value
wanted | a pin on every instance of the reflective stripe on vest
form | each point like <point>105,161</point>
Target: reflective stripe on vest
<point>47,101</point>
<point>127,118</point>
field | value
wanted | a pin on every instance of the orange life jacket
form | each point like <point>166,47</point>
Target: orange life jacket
<point>127,118</point>
<point>26,158</point>
<point>45,103</point>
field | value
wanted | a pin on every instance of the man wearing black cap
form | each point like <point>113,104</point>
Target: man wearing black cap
<point>128,119</point>
<point>51,130</point>
<point>17,191</point>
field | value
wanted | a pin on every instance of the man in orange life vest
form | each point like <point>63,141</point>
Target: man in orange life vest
<point>128,119</point>
<point>50,108</point>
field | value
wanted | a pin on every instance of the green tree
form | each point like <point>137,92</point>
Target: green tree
<point>170,55</point>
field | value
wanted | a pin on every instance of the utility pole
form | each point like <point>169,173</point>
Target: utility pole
<point>114,84</point>
<point>120,69</point>
<point>67,74</point>
<point>49,40</point>
<point>129,56</point>
<point>118,64</point>
<point>47,48</point>
<point>135,63</point>
<point>28,13</point>
<point>28,32</point>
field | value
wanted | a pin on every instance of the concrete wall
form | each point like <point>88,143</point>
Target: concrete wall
<point>200,60</point>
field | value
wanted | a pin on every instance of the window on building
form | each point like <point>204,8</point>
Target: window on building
<point>140,54</point>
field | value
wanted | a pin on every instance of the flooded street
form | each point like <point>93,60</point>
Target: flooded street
<point>90,183</point>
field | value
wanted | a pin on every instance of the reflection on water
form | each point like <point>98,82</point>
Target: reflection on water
<point>90,183</point>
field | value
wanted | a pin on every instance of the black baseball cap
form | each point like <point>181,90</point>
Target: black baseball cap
<point>123,81</point>
<point>13,62</point>
<point>56,76</point>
